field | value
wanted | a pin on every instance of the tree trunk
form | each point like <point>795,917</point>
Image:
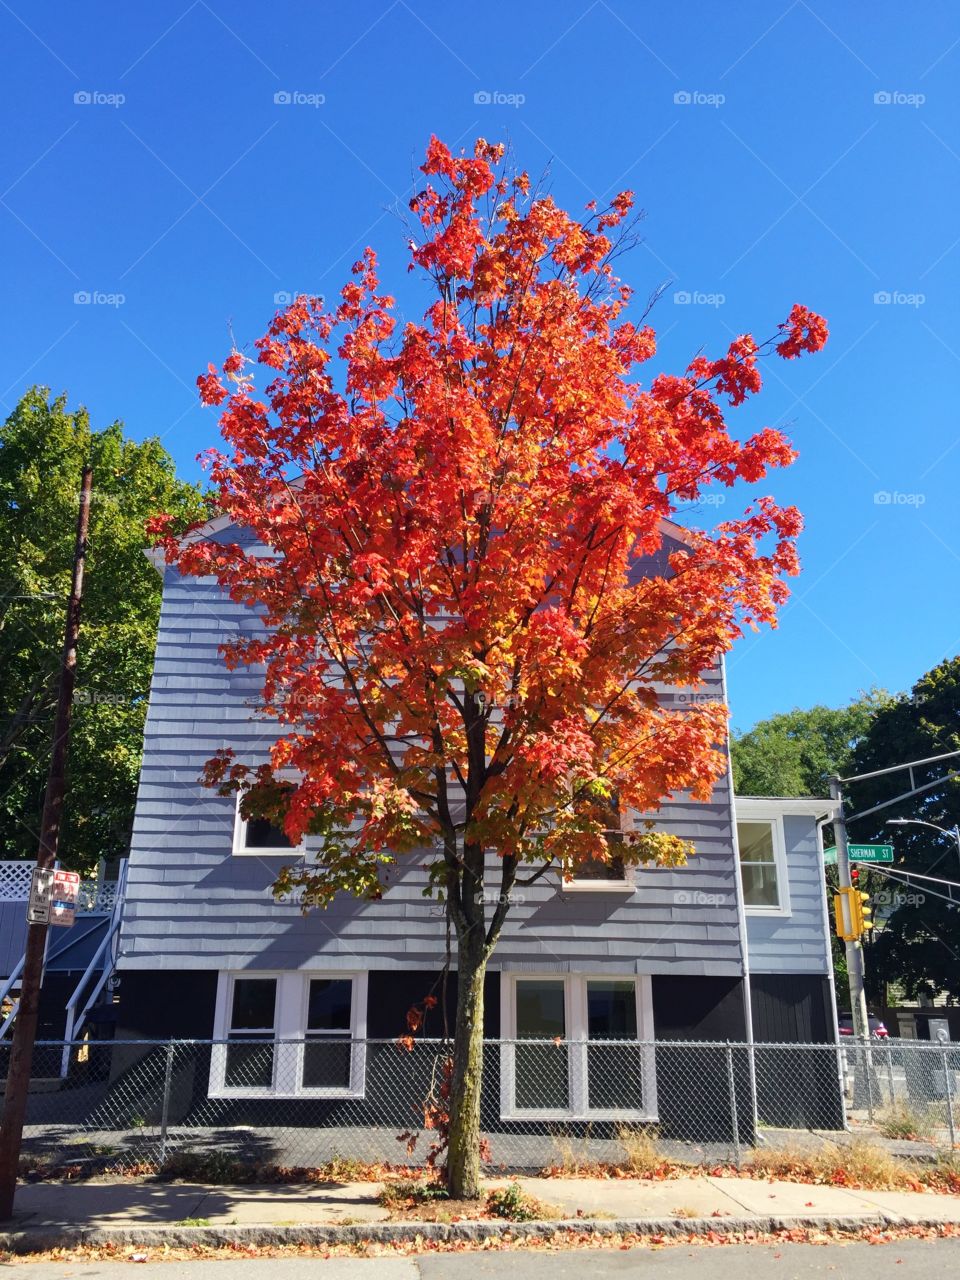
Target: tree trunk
<point>463,1151</point>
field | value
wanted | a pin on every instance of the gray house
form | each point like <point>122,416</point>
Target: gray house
<point>735,945</point>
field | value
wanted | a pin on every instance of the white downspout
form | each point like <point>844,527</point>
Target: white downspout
<point>741,916</point>
<point>831,977</point>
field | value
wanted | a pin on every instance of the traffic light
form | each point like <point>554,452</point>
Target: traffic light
<point>852,913</point>
<point>843,914</point>
<point>864,911</point>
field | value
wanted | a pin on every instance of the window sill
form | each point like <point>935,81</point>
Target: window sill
<point>285,1094</point>
<point>598,886</point>
<point>268,853</point>
<point>771,912</point>
<point>604,1113</point>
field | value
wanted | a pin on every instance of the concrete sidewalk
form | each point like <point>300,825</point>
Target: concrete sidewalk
<point>153,1213</point>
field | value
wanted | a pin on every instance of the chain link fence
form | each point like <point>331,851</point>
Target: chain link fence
<point>127,1105</point>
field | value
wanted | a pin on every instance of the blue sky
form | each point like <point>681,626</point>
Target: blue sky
<point>783,151</point>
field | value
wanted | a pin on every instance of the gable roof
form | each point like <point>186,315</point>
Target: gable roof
<point>669,529</point>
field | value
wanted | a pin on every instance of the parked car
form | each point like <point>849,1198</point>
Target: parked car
<point>877,1029</point>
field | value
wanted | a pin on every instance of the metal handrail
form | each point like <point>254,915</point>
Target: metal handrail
<point>73,1022</point>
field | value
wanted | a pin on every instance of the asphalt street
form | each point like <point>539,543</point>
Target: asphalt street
<point>913,1259</point>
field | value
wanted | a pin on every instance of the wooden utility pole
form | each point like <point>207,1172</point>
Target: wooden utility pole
<point>25,1023</point>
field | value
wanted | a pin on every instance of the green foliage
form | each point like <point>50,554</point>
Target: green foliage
<point>919,941</point>
<point>43,447</point>
<point>794,753</point>
<point>403,1193</point>
<point>513,1203</point>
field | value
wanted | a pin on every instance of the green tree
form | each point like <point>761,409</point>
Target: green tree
<point>43,447</point>
<point>794,753</point>
<point>918,944</point>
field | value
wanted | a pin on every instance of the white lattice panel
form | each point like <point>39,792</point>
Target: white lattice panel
<point>15,880</point>
<point>90,899</point>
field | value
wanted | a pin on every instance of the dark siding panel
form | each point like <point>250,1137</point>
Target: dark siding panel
<point>391,992</point>
<point>698,1008</point>
<point>693,1086</point>
<point>791,1009</point>
<point>796,1087</point>
<point>172,1004</point>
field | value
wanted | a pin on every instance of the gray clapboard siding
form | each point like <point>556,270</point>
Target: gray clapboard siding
<point>192,904</point>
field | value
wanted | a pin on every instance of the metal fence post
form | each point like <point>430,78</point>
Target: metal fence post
<point>165,1108</point>
<point>890,1083</point>
<point>948,1090</point>
<point>732,1086</point>
<point>868,1057</point>
<point>754,1104</point>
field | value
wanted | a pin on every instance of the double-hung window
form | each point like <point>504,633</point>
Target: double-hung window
<point>576,1047</point>
<point>289,1035</point>
<point>763,865</point>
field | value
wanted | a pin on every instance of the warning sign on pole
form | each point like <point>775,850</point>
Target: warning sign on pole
<point>63,898</point>
<point>38,908</point>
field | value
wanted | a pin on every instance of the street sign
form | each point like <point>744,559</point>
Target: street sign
<point>63,898</point>
<point>38,908</point>
<point>861,853</point>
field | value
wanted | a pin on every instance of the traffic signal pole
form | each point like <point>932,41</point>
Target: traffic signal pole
<point>25,1023</point>
<point>854,947</point>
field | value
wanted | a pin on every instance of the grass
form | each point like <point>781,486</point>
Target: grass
<point>513,1203</point>
<point>684,1211</point>
<point>404,1193</point>
<point>907,1123</point>
<point>427,1198</point>
<point>225,1168</point>
<point>642,1156</point>
<point>859,1163</point>
<point>194,1222</point>
<point>571,1155</point>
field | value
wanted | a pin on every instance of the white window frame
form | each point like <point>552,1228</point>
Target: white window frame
<point>289,1034</point>
<point>627,885</point>
<point>774,817</point>
<point>575,1018</point>
<point>239,836</point>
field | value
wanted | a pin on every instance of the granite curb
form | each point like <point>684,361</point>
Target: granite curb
<point>39,1239</point>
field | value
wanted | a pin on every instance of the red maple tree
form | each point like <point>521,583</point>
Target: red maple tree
<point>462,646</point>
